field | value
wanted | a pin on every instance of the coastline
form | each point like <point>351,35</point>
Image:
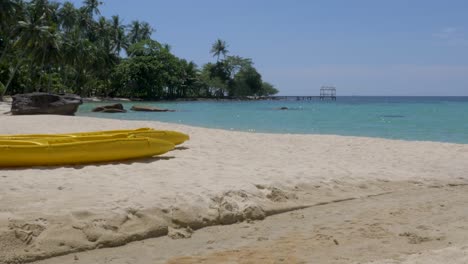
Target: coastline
<point>419,120</point>
<point>218,177</point>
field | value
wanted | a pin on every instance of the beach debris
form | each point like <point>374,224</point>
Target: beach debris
<point>415,238</point>
<point>143,108</point>
<point>180,233</point>
<point>45,104</point>
<point>114,108</point>
<point>278,195</point>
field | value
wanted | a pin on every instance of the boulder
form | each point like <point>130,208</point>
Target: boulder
<point>45,104</point>
<point>150,109</point>
<point>114,108</point>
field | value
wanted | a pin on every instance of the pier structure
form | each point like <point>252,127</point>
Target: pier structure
<point>327,92</point>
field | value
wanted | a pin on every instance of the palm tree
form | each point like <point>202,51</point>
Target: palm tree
<point>139,31</point>
<point>119,40</point>
<point>8,10</point>
<point>134,32</point>
<point>68,16</point>
<point>86,20</point>
<point>79,66</point>
<point>146,31</point>
<point>32,35</point>
<point>167,47</point>
<point>92,7</point>
<point>219,48</point>
<point>10,14</point>
<point>49,54</point>
<point>45,9</point>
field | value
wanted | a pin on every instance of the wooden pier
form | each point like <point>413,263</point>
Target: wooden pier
<point>326,92</point>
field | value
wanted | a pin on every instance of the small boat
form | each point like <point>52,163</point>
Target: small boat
<point>171,136</point>
<point>86,147</point>
<point>15,153</point>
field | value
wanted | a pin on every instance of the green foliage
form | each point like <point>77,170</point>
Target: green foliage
<point>152,72</point>
<point>219,48</point>
<point>246,82</point>
<point>57,47</point>
<point>235,76</point>
<point>267,89</point>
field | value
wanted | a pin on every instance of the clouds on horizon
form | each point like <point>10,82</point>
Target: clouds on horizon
<point>452,36</point>
<point>374,79</point>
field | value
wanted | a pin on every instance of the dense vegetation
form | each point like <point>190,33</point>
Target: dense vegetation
<point>53,47</point>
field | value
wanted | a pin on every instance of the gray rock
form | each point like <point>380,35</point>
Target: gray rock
<point>114,108</point>
<point>150,109</point>
<point>45,104</point>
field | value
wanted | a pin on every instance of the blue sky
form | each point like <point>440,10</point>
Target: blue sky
<point>363,47</point>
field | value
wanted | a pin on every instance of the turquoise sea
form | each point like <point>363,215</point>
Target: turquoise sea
<point>443,119</point>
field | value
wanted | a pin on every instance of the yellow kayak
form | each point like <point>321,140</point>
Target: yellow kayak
<point>14,153</point>
<point>171,136</point>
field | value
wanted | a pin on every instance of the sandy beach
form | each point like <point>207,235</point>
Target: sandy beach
<point>366,200</point>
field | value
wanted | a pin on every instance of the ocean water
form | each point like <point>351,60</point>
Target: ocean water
<point>443,119</point>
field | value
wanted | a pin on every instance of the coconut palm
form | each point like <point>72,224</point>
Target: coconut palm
<point>45,9</point>
<point>32,35</point>
<point>139,31</point>
<point>10,12</point>
<point>92,7</point>
<point>119,39</point>
<point>146,31</point>
<point>219,48</point>
<point>8,9</point>
<point>68,16</point>
<point>134,31</point>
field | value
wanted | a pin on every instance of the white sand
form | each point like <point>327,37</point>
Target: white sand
<point>218,177</point>
<point>4,107</point>
<point>413,224</point>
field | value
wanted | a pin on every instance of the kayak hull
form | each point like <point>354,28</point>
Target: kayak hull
<point>171,136</point>
<point>81,152</point>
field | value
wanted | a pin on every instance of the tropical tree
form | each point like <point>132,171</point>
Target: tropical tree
<point>267,89</point>
<point>139,31</point>
<point>49,46</point>
<point>68,17</point>
<point>119,39</point>
<point>8,10</point>
<point>246,82</point>
<point>32,38</point>
<point>219,48</point>
<point>91,7</point>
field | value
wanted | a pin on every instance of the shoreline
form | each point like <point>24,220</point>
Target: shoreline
<point>218,177</point>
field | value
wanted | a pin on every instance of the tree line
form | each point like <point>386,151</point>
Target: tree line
<point>53,47</point>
